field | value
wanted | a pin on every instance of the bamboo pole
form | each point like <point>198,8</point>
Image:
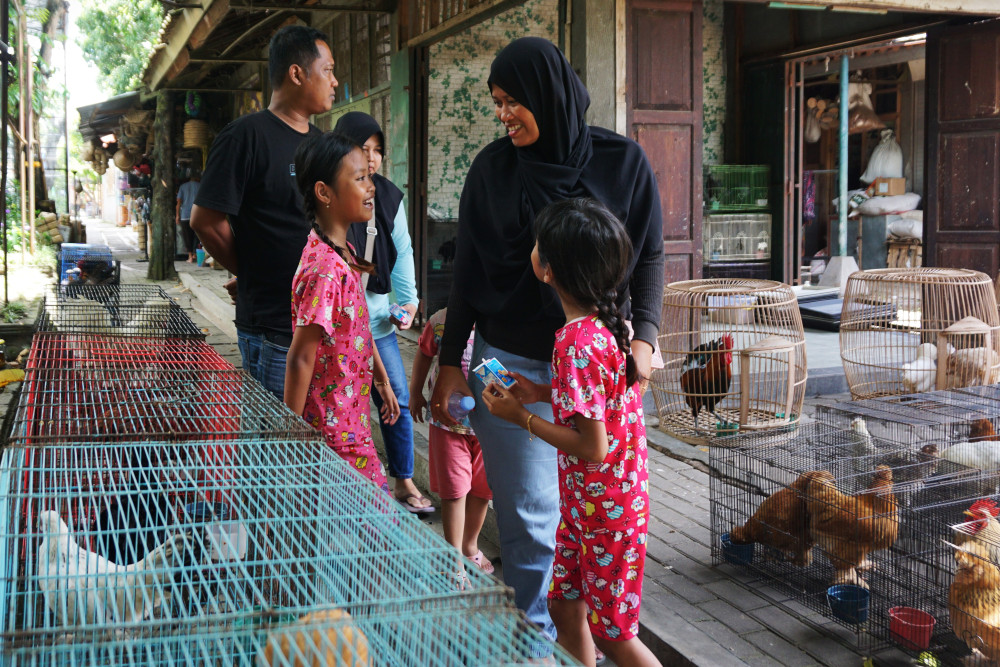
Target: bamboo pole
<point>31,150</point>
<point>22,151</point>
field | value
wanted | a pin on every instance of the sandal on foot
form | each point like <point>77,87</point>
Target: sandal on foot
<point>412,503</point>
<point>482,562</point>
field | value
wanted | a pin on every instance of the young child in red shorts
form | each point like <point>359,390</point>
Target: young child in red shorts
<point>583,252</point>
<point>456,461</point>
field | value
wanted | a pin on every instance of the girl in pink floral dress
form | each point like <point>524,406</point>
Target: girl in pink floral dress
<point>583,252</point>
<point>332,364</point>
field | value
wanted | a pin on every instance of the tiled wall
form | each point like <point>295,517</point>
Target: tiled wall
<point>714,72</point>
<point>460,110</point>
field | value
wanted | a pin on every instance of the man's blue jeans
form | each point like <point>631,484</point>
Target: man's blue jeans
<point>264,360</point>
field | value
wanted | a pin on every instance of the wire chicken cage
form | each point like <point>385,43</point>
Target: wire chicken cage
<point>227,554</point>
<point>822,508</point>
<point>737,236</point>
<point>940,417</point>
<point>131,310</point>
<point>87,264</point>
<point>735,358</point>
<point>905,331</point>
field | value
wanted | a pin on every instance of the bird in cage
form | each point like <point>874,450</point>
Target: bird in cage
<point>706,375</point>
<point>862,444</point>
<point>982,455</point>
<point>972,366</point>
<point>849,527</point>
<point>974,599</point>
<point>781,522</point>
<point>920,374</point>
<point>982,429</point>
<point>909,466</point>
<point>83,588</point>
<point>326,637</point>
<point>983,527</point>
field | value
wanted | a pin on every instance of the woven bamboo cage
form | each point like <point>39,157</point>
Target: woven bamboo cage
<point>195,133</point>
<point>123,159</point>
<point>905,331</point>
<point>751,327</point>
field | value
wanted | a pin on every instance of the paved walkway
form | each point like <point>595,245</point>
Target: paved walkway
<point>693,612</point>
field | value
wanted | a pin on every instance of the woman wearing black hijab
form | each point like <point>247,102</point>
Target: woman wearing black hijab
<point>549,154</point>
<point>392,254</point>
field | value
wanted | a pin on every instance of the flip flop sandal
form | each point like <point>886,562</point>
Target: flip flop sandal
<point>482,562</point>
<point>410,507</point>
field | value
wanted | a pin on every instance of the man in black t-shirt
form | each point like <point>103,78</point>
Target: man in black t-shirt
<point>248,212</point>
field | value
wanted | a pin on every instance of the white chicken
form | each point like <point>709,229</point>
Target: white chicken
<point>982,455</point>
<point>151,318</point>
<point>920,374</point>
<point>862,444</point>
<point>83,588</point>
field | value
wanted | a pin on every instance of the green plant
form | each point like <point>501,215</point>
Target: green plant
<point>13,312</point>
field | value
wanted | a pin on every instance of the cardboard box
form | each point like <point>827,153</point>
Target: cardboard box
<point>887,187</point>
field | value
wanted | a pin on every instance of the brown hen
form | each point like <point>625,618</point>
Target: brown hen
<point>982,429</point>
<point>974,599</point>
<point>847,527</point>
<point>781,522</point>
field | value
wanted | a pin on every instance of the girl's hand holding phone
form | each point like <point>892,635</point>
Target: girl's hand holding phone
<point>390,404</point>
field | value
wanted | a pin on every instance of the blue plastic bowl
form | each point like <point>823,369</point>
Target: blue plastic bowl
<point>205,512</point>
<point>849,603</point>
<point>737,554</point>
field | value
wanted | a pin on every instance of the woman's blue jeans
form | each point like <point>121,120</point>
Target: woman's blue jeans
<point>523,475</point>
<point>398,437</point>
<point>264,360</point>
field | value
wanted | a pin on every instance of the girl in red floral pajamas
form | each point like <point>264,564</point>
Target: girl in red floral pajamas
<point>583,251</point>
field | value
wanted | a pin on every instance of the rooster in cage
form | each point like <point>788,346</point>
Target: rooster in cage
<point>974,598</point>
<point>83,588</point>
<point>706,375</point>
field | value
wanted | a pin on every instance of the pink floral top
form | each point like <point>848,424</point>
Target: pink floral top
<point>588,379</point>
<point>325,291</point>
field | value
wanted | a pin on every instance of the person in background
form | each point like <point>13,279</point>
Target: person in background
<point>549,153</point>
<point>456,460</point>
<point>185,201</point>
<point>392,253</point>
<point>248,212</point>
<point>332,365</point>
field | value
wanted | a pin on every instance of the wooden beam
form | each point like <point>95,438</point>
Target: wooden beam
<point>378,7</point>
<point>455,24</point>
<point>183,26</point>
<point>162,243</point>
<point>207,24</point>
<point>229,61</point>
<point>975,7</point>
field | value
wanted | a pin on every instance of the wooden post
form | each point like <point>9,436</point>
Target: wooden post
<point>162,239</point>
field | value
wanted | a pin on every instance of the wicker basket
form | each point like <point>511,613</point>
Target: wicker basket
<point>87,152</point>
<point>889,314</point>
<point>123,159</point>
<point>195,134</point>
<point>756,323</point>
<point>136,123</point>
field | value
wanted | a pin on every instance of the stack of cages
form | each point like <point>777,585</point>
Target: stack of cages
<point>840,522</point>
<point>206,523</point>
<point>87,264</point>
<point>736,234</point>
<point>115,310</point>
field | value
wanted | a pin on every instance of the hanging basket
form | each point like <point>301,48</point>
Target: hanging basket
<point>889,314</point>
<point>150,142</point>
<point>136,122</point>
<point>123,159</point>
<point>195,134</point>
<point>87,152</point>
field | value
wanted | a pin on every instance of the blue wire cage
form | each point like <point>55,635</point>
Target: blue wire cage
<point>230,538</point>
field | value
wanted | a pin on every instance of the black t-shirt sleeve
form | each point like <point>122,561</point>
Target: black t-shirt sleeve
<point>229,165</point>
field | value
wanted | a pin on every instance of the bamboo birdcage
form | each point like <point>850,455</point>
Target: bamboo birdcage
<point>767,365</point>
<point>904,331</point>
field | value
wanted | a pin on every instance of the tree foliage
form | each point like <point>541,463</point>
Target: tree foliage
<point>117,36</point>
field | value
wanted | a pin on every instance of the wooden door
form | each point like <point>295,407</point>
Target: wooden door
<point>962,186</point>
<point>664,83</point>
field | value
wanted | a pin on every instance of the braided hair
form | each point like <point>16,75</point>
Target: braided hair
<point>589,252</point>
<point>318,159</point>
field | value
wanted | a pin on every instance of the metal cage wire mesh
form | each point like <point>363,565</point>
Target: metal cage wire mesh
<point>817,538</point>
<point>129,310</point>
<point>767,372</point>
<point>888,314</point>
<point>259,533</point>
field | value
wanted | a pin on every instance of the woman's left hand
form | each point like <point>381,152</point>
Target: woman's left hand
<point>390,404</point>
<point>411,308</point>
<point>642,353</point>
<point>502,403</point>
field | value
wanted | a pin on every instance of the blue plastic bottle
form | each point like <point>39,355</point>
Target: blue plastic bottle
<point>460,405</point>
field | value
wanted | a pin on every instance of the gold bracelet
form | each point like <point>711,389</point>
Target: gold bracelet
<point>527,425</point>
<point>380,384</point>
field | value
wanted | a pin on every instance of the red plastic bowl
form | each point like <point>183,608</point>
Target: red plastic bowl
<point>911,628</point>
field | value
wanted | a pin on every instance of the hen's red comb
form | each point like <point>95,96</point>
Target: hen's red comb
<point>986,504</point>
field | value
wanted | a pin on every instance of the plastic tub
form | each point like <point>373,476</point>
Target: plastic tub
<point>911,628</point>
<point>737,554</point>
<point>849,603</point>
